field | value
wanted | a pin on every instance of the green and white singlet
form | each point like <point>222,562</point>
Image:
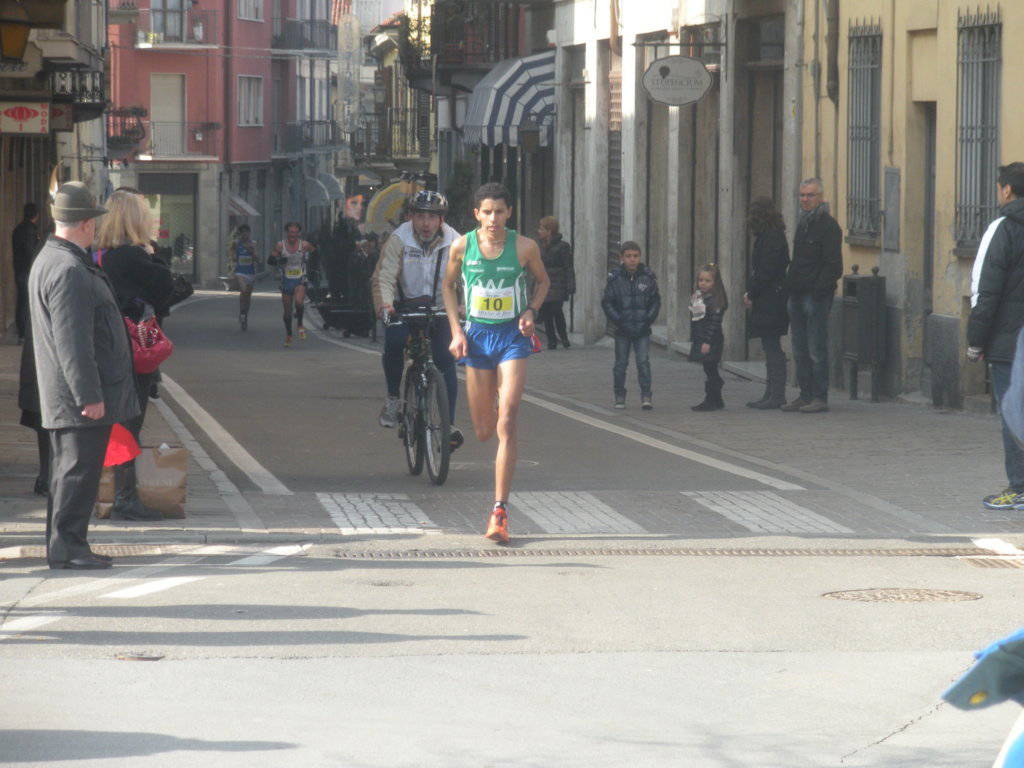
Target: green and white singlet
<point>495,288</point>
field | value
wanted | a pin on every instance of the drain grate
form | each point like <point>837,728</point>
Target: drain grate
<point>899,595</point>
<point>459,554</point>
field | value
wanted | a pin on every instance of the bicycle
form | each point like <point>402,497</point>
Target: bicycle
<point>424,424</point>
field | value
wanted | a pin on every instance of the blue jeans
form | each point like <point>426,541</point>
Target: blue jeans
<point>641,346</point>
<point>808,329</point>
<point>1013,455</point>
<point>394,359</point>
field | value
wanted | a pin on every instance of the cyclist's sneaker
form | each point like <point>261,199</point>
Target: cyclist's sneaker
<point>1008,499</point>
<point>302,333</point>
<point>620,402</point>
<point>455,439</point>
<point>243,320</point>
<point>497,526</point>
<point>389,413</point>
<point>646,404</point>
<point>287,341</point>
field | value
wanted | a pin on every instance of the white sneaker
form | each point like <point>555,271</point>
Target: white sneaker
<point>389,413</point>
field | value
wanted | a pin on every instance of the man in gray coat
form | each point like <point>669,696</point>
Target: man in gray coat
<point>84,369</point>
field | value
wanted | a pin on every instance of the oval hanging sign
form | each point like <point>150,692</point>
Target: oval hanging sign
<point>677,80</point>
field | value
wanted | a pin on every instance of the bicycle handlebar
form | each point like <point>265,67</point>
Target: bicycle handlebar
<point>399,317</point>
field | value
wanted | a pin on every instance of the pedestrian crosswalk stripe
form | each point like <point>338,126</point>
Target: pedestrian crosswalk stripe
<point>375,513</point>
<point>572,512</point>
<point>765,512</point>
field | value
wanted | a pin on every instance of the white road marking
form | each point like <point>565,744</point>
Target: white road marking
<point>270,555</point>
<point>572,512</point>
<point>150,587</point>
<point>27,623</point>
<point>765,512</point>
<point>699,458</point>
<point>105,582</point>
<point>220,437</point>
<point>265,557</point>
<point>375,513</point>
<point>661,445</point>
<point>998,546</point>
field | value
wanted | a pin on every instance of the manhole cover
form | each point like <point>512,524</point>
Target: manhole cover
<point>903,595</point>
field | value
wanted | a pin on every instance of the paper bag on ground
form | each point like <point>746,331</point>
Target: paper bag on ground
<point>161,474</point>
<point>106,494</point>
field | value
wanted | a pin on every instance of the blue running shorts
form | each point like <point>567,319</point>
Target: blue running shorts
<point>491,344</point>
<point>288,285</point>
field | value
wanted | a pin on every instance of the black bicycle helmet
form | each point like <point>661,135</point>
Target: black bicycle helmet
<point>428,201</point>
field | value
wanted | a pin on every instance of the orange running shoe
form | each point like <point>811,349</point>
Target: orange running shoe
<point>287,341</point>
<point>497,527</point>
<point>302,333</point>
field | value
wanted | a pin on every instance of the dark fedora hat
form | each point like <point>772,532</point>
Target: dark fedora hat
<point>74,203</point>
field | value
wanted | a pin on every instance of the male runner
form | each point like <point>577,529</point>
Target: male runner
<point>291,254</point>
<point>242,264</point>
<point>409,273</point>
<point>492,263</point>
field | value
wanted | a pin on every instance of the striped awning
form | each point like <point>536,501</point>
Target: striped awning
<point>514,92</point>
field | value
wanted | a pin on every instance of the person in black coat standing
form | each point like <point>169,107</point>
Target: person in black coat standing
<point>766,296</point>
<point>997,315</point>
<point>142,286</point>
<point>83,368</point>
<point>811,282</point>
<point>24,247</point>
<point>632,302</point>
<point>556,253</point>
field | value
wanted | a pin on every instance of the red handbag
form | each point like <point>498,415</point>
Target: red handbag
<point>150,346</point>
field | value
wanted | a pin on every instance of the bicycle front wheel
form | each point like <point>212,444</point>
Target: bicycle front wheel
<point>437,423</point>
<point>412,431</point>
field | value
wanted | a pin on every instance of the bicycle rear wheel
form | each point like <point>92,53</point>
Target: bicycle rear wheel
<point>412,433</point>
<point>437,427</point>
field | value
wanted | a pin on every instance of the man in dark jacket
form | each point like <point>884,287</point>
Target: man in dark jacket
<point>84,371</point>
<point>811,283</point>
<point>631,302</point>
<point>997,314</point>
<point>24,245</point>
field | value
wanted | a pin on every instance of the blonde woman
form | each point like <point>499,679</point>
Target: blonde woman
<point>142,286</point>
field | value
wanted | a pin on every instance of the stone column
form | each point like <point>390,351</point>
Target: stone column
<point>591,259</point>
<point>563,137</point>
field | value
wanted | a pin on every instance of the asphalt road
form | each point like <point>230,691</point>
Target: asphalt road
<point>730,651</point>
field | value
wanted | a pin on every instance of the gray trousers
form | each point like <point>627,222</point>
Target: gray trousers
<point>76,463</point>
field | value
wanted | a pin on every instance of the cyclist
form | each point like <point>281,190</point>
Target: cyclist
<point>291,255</point>
<point>491,262</point>
<point>409,273</point>
<point>242,263</point>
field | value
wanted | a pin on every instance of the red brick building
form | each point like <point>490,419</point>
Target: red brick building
<point>221,115</point>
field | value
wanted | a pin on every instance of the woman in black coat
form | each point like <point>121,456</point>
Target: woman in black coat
<point>142,285</point>
<point>31,412</point>
<point>556,253</point>
<point>766,297</point>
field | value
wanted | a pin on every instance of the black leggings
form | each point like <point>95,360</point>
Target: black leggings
<point>554,318</point>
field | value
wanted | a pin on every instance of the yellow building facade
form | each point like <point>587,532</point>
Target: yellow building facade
<point>908,109</point>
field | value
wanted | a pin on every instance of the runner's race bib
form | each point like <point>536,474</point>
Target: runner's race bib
<point>494,303</point>
<point>293,273</point>
<point>244,259</point>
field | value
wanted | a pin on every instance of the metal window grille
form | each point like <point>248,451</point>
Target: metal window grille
<point>979,60</point>
<point>864,121</point>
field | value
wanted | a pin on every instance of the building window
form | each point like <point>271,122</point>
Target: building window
<point>251,10</point>
<point>864,121</point>
<point>979,60</point>
<point>250,100</point>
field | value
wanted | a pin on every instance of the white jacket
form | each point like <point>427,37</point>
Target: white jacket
<point>403,263</point>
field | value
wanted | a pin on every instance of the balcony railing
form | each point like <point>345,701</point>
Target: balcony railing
<point>463,33</point>
<point>290,138</point>
<point>85,88</point>
<point>168,28</point>
<point>182,139</point>
<point>304,35</point>
<point>125,130</point>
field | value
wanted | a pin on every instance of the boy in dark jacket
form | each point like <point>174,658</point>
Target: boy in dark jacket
<point>631,302</point>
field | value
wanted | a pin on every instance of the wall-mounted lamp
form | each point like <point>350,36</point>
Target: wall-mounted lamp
<point>14,29</point>
<point>529,134</point>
